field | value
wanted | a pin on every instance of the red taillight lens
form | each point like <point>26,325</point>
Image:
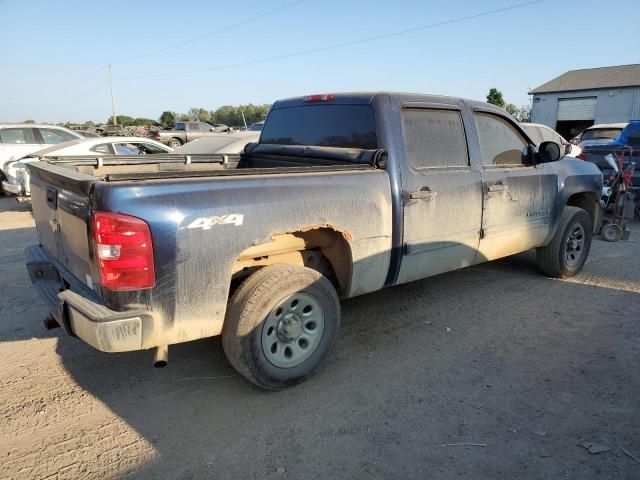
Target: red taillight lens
<point>124,251</point>
<point>582,156</point>
<point>319,98</point>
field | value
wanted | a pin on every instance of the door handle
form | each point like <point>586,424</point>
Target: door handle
<point>423,195</point>
<point>497,187</point>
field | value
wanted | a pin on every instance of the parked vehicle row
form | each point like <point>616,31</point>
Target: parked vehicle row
<point>16,177</point>
<point>342,195</point>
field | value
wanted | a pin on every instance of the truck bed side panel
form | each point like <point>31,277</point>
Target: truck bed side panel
<point>200,227</point>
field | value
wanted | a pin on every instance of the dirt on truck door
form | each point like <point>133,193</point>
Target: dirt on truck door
<point>442,193</point>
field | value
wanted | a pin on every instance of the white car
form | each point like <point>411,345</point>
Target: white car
<point>541,133</point>
<point>16,175</point>
<point>20,139</point>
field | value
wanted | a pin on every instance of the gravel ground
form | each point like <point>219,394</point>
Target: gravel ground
<point>524,369</point>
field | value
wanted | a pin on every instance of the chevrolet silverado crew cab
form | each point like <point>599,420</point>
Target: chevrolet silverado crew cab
<point>343,195</point>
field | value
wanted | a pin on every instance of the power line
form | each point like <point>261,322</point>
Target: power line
<point>340,45</point>
<point>206,35</point>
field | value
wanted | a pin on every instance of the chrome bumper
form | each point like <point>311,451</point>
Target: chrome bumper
<point>79,311</point>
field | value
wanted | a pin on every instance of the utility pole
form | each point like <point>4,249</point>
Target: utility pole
<point>244,120</point>
<point>113,104</point>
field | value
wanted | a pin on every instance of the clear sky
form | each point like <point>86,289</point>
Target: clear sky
<point>55,53</point>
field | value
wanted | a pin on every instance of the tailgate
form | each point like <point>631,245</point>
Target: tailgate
<point>60,199</point>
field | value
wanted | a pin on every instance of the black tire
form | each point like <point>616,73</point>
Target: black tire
<point>559,259</point>
<point>174,143</point>
<point>253,303</point>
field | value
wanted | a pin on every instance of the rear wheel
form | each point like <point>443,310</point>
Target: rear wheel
<point>568,250</point>
<point>281,324</point>
<point>175,143</point>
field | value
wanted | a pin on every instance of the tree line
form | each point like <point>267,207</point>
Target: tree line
<point>233,116</point>
<point>237,116</point>
<point>228,114</point>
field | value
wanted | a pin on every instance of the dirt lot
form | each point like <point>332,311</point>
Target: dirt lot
<point>526,367</point>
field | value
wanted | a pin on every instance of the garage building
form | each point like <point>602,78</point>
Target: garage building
<point>580,98</point>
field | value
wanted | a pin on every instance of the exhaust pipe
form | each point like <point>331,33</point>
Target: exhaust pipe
<point>50,323</point>
<point>161,356</point>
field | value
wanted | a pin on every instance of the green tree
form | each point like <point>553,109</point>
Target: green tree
<point>167,119</point>
<point>143,122</point>
<point>232,115</point>
<point>29,121</point>
<point>123,121</point>
<point>183,117</point>
<point>198,114</point>
<point>524,114</point>
<point>495,97</point>
<point>512,109</point>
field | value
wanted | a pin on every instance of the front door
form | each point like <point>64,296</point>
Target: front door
<point>517,195</point>
<point>442,193</point>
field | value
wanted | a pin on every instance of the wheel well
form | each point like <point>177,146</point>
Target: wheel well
<point>322,248</point>
<point>587,201</point>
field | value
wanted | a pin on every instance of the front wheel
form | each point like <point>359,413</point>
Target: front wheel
<point>568,250</point>
<point>281,324</point>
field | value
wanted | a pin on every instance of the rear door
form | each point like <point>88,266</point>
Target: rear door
<point>518,197</point>
<point>442,192</point>
<point>16,142</point>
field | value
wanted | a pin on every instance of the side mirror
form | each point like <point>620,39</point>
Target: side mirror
<point>548,152</point>
<point>567,149</point>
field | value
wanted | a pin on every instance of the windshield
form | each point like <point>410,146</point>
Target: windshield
<point>343,126</point>
<point>600,134</point>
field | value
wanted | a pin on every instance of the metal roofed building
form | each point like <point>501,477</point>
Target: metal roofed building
<point>578,99</point>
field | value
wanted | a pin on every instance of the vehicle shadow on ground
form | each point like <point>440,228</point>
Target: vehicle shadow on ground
<point>476,355</point>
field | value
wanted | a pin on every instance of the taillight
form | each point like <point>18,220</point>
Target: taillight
<point>582,156</point>
<point>319,98</point>
<point>124,251</point>
<point>157,134</point>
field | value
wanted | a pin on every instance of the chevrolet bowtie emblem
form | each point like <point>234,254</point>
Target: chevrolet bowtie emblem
<point>53,223</point>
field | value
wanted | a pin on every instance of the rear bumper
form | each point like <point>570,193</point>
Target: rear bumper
<point>11,188</point>
<point>76,307</point>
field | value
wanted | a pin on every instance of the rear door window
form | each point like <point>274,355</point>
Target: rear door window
<point>52,136</point>
<point>103,148</point>
<point>501,144</point>
<point>17,136</point>
<point>343,126</point>
<point>434,138</point>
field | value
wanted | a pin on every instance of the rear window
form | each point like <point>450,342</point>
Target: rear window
<point>601,133</point>
<point>343,126</point>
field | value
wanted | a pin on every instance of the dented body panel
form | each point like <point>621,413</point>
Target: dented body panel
<point>366,228</point>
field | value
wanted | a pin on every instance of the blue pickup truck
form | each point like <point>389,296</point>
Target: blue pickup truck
<point>344,194</point>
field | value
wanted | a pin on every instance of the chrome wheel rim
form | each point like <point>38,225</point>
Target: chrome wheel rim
<point>574,246</point>
<point>293,330</point>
